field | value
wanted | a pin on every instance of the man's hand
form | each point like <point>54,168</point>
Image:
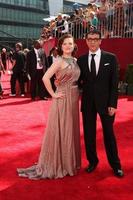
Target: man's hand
<point>111,111</point>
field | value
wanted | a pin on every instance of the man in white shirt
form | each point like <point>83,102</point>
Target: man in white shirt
<point>36,66</point>
<point>99,82</point>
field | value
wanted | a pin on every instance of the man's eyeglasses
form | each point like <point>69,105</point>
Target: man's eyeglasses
<point>93,39</point>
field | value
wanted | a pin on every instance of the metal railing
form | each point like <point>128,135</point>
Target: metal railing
<point>118,23</point>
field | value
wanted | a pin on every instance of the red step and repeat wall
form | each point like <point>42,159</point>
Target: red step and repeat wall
<point>123,48</point>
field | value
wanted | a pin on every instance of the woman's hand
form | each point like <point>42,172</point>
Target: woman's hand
<point>58,95</point>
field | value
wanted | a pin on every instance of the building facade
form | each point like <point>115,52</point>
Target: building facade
<point>21,20</point>
<point>70,5</point>
<point>65,6</point>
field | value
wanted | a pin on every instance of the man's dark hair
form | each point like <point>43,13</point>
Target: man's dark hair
<point>92,32</point>
<point>36,42</point>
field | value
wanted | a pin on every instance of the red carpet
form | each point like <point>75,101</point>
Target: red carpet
<point>21,131</point>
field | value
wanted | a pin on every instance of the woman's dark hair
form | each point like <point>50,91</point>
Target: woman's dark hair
<point>52,50</point>
<point>60,42</point>
<point>94,31</point>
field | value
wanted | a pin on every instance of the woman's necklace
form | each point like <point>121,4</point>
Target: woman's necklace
<point>69,60</point>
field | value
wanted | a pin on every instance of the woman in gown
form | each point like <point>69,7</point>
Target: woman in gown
<point>60,152</point>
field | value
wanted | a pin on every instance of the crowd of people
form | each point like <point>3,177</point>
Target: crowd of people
<point>113,18</point>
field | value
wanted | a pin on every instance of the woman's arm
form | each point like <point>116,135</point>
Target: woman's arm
<point>47,76</point>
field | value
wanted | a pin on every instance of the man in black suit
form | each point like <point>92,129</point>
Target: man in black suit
<point>36,66</point>
<point>99,82</point>
<point>17,69</point>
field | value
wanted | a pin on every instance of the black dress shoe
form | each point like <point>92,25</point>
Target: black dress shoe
<point>91,167</point>
<point>118,172</point>
<point>33,99</point>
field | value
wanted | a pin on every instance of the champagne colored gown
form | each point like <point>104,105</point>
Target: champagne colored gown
<point>60,152</point>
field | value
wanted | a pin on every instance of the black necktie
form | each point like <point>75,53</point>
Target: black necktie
<point>93,66</point>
